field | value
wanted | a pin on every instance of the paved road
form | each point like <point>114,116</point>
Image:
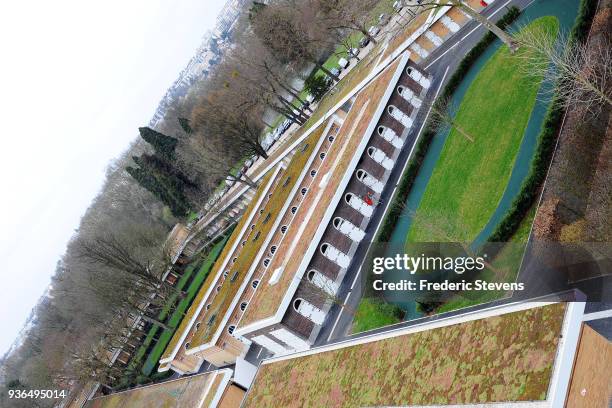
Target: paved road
<point>444,59</point>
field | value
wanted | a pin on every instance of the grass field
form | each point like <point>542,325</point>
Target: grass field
<point>201,275</point>
<point>470,177</point>
<point>373,313</point>
<point>506,266</point>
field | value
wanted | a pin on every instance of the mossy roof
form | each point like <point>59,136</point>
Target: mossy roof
<point>267,298</point>
<point>279,195</point>
<point>497,359</point>
<point>186,321</point>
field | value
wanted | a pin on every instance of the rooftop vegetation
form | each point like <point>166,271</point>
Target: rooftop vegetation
<point>503,358</point>
<point>245,259</point>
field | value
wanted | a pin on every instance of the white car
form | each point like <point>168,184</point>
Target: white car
<point>398,5</point>
<point>374,30</point>
<point>343,62</point>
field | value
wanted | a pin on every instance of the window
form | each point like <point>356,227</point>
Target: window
<point>409,70</point>
<point>234,259</point>
<point>324,248</point>
<point>322,155</point>
<point>303,191</point>
<point>381,129</point>
<point>266,262</point>
<point>198,325</point>
<point>400,89</point>
<point>208,306</point>
<point>254,284</point>
<point>348,197</point>
<point>337,222</point>
<point>313,173</point>
<point>283,229</point>
<point>293,210</point>
<point>269,195</point>
<point>391,109</point>
<point>360,174</point>
<point>296,304</point>
<point>252,227</point>
<point>311,274</point>
<point>256,237</point>
<point>243,306</point>
<point>273,249</point>
<point>187,345</point>
<point>243,243</point>
<point>218,288</point>
<point>305,147</point>
<point>330,138</point>
<point>225,274</point>
<point>231,329</point>
<point>261,211</point>
<point>234,277</point>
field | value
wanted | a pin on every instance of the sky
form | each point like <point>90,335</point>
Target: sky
<point>77,79</point>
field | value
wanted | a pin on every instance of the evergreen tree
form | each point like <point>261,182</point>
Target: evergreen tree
<point>163,145</point>
<point>159,190</point>
<point>185,125</point>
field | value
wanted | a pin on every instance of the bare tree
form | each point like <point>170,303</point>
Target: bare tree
<point>291,33</point>
<point>427,5</point>
<point>346,16</point>
<point>443,115</point>
<point>321,289</point>
<point>579,73</point>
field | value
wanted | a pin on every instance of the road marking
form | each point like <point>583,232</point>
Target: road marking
<point>468,34</point>
<point>597,315</point>
<point>389,200</point>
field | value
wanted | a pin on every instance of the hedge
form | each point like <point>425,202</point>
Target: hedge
<point>407,180</point>
<point>547,139</point>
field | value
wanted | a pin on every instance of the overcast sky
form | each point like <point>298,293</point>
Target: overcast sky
<point>77,78</point>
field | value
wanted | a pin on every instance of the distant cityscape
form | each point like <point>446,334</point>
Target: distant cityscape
<point>208,54</point>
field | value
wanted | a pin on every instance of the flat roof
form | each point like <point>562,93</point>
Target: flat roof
<point>196,305</point>
<point>203,390</point>
<point>248,255</point>
<point>267,298</point>
<point>511,354</point>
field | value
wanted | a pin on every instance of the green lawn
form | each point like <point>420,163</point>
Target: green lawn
<point>205,266</point>
<point>373,313</point>
<point>505,268</point>
<point>470,177</point>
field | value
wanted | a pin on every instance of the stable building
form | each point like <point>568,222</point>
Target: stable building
<point>339,196</point>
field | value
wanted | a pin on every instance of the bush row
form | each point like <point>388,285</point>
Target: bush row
<point>407,180</point>
<point>546,142</point>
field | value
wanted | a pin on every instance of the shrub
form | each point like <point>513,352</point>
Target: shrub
<point>546,142</point>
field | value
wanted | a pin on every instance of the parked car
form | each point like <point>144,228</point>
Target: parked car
<point>383,19</point>
<point>249,162</point>
<point>286,124</point>
<point>310,98</point>
<point>398,5</point>
<point>335,71</point>
<point>353,52</point>
<point>343,62</point>
<point>374,30</point>
<point>364,41</point>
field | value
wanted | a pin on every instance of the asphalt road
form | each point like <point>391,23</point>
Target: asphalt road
<point>441,63</point>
